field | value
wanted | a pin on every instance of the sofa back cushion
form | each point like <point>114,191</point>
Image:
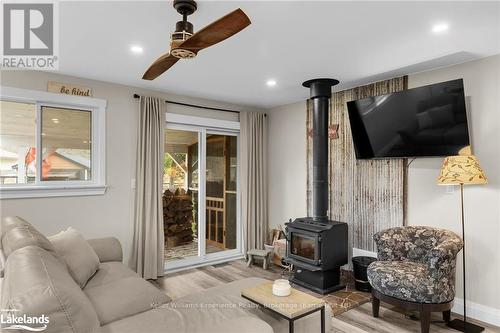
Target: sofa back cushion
<point>10,222</point>
<point>18,233</point>
<point>37,283</point>
<point>81,259</point>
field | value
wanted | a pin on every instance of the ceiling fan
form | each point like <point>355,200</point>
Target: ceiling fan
<point>185,44</point>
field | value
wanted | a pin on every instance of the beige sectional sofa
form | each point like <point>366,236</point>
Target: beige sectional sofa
<point>115,299</point>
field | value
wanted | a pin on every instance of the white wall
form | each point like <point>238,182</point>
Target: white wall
<point>112,213</point>
<point>287,163</point>
<point>428,203</point>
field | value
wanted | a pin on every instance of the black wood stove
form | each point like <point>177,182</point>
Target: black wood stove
<point>317,246</point>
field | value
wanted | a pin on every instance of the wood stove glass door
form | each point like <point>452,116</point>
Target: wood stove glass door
<point>304,247</point>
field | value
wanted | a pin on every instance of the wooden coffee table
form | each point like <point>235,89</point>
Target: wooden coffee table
<point>292,307</point>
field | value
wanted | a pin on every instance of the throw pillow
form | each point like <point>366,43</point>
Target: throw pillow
<point>81,259</point>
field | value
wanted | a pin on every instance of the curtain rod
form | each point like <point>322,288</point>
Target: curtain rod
<point>195,106</point>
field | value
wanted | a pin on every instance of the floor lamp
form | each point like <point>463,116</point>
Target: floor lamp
<point>462,170</point>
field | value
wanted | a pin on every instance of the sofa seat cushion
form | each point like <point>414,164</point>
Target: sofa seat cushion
<point>224,302</point>
<point>218,309</point>
<point>109,272</point>
<point>124,297</point>
<point>37,283</point>
<point>244,325</point>
<point>404,280</point>
<point>168,320</point>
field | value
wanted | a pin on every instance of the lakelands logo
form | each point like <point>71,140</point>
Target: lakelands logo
<point>11,320</point>
<point>29,35</point>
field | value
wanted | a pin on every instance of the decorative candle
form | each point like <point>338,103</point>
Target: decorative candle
<point>281,287</point>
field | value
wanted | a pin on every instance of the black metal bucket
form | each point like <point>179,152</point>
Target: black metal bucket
<point>359,265</point>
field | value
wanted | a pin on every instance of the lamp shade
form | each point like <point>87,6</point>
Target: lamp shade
<point>460,169</point>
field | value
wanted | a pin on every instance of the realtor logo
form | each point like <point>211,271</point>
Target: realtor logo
<point>29,36</point>
<point>11,320</point>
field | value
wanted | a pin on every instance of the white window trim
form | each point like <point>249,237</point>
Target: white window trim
<point>208,123</point>
<point>97,186</point>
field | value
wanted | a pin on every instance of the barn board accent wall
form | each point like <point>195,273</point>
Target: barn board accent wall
<point>369,195</point>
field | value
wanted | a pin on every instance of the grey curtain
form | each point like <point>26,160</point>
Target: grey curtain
<point>148,243</point>
<point>254,179</point>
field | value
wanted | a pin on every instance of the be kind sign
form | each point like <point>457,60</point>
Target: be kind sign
<point>68,89</point>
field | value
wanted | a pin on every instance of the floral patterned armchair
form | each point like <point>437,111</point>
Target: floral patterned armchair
<point>416,266</point>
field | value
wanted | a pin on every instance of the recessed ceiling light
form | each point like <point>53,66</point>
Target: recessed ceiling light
<point>441,27</point>
<point>55,120</point>
<point>136,49</point>
<point>271,83</point>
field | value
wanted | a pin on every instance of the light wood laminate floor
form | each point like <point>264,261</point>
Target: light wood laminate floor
<point>358,320</point>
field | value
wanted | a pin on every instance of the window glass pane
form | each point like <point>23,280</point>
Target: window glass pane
<point>215,166</point>
<point>180,194</point>
<point>221,181</point>
<point>66,144</point>
<point>17,143</point>
<point>231,163</point>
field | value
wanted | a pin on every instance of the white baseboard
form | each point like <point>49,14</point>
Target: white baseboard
<point>359,252</point>
<point>477,311</point>
<point>204,263</point>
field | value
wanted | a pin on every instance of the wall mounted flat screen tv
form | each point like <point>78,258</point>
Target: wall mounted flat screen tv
<point>421,122</point>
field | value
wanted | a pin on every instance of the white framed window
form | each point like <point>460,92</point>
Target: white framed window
<point>51,144</point>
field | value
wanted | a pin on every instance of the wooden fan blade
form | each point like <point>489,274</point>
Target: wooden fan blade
<point>159,66</point>
<point>217,31</point>
<point>212,34</point>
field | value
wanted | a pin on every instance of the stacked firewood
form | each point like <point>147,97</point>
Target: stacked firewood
<point>177,217</point>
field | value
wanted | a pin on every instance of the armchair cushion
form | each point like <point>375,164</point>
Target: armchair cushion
<point>405,280</point>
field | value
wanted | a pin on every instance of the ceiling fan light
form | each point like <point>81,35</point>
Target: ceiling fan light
<point>183,53</point>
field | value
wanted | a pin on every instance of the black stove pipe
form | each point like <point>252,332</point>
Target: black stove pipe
<point>321,92</point>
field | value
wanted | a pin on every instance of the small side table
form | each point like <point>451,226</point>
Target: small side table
<point>262,254</point>
<point>295,306</point>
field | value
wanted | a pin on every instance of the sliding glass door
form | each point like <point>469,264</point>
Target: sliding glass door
<point>221,192</point>
<point>181,194</point>
<point>201,210</point>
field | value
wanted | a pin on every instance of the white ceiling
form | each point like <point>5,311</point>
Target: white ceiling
<point>355,42</point>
